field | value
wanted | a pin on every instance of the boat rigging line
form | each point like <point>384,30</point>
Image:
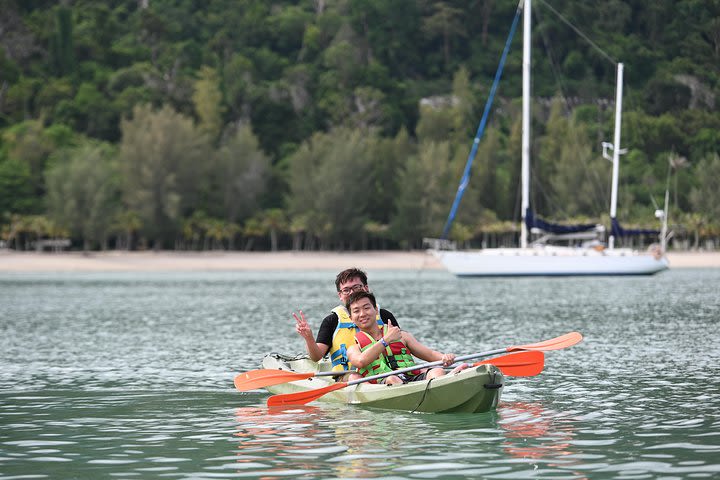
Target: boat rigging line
<point>580,33</point>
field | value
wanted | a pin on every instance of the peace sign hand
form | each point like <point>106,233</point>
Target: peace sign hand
<point>302,327</point>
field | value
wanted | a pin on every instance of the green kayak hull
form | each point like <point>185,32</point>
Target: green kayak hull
<point>474,390</point>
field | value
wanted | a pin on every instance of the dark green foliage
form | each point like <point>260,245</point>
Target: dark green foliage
<point>331,182</point>
<point>163,161</point>
<point>30,144</point>
<point>705,198</point>
<point>16,192</point>
<point>9,71</point>
<point>62,44</point>
<point>83,192</point>
<point>344,80</point>
<point>239,176</point>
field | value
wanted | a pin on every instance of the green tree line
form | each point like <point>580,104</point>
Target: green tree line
<point>339,124</point>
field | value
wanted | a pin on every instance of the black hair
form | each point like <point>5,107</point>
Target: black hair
<point>355,296</point>
<point>349,274</point>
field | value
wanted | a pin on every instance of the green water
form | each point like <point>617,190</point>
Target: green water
<point>130,376</point>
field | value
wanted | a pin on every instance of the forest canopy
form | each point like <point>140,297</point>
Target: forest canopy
<point>340,124</point>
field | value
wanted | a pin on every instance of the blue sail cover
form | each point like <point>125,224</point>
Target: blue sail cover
<point>619,231</point>
<point>531,221</point>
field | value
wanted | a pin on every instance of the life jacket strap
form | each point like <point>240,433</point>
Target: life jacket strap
<point>339,357</point>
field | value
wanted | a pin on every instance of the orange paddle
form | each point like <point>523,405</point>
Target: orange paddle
<point>522,364</point>
<point>267,377</point>
<point>557,343</point>
<point>301,398</point>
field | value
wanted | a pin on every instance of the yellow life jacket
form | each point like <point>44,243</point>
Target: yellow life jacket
<point>344,337</point>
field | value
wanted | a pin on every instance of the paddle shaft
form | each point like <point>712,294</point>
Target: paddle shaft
<point>333,374</point>
<point>424,365</point>
<point>556,343</point>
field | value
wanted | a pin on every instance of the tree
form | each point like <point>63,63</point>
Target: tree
<point>695,223</point>
<point>448,120</point>
<point>451,117</point>
<point>426,184</point>
<point>389,155</point>
<point>367,109</point>
<point>463,111</point>
<point>125,225</point>
<point>298,227</point>
<point>436,119</point>
<point>89,112</point>
<point>445,22</point>
<point>677,163</point>
<point>705,197</point>
<point>253,229</point>
<point>208,102</point>
<point>62,47</point>
<point>508,207</point>
<point>290,70</point>
<point>163,164</point>
<point>488,183</point>
<point>237,77</point>
<point>331,182</point>
<point>83,192</point>
<point>31,144</point>
<point>16,192</point>
<point>239,177</point>
<point>577,179</point>
<point>274,221</point>
<point>460,233</point>
<point>23,229</point>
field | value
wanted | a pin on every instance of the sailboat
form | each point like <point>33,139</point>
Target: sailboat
<point>540,259</point>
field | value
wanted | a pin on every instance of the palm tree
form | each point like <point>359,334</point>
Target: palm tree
<point>253,229</point>
<point>274,221</point>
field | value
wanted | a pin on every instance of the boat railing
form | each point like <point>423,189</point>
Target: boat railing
<point>591,237</point>
<point>439,244</point>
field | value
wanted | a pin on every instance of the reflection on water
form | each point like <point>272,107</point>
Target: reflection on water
<point>120,375</point>
<point>530,432</point>
<point>279,440</point>
<point>303,440</point>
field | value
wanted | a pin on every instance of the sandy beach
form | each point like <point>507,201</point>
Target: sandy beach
<point>119,261</point>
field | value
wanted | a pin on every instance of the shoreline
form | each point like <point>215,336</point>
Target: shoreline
<point>171,261</point>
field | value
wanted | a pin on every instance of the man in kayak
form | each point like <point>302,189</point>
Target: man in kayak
<point>382,349</point>
<point>337,330</point>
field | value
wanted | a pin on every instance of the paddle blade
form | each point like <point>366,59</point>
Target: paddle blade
<point>301,398</point>
<point>521,364</point>
<point>265,378</point>
<point>557,343</point>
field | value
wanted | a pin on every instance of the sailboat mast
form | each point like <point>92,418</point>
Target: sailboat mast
<point>616,150</point>
<point>525,173</point>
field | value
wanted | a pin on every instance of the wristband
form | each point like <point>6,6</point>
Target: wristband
<point>385,344</point>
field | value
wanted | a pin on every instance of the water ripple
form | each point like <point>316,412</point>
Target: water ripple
<point>123,375</point>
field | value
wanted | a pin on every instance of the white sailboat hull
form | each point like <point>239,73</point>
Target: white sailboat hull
<point>550,261</point>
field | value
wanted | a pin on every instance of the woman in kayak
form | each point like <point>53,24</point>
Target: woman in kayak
<point>384,349</point>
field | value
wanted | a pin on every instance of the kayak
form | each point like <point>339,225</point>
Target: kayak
<point>473,390</point>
